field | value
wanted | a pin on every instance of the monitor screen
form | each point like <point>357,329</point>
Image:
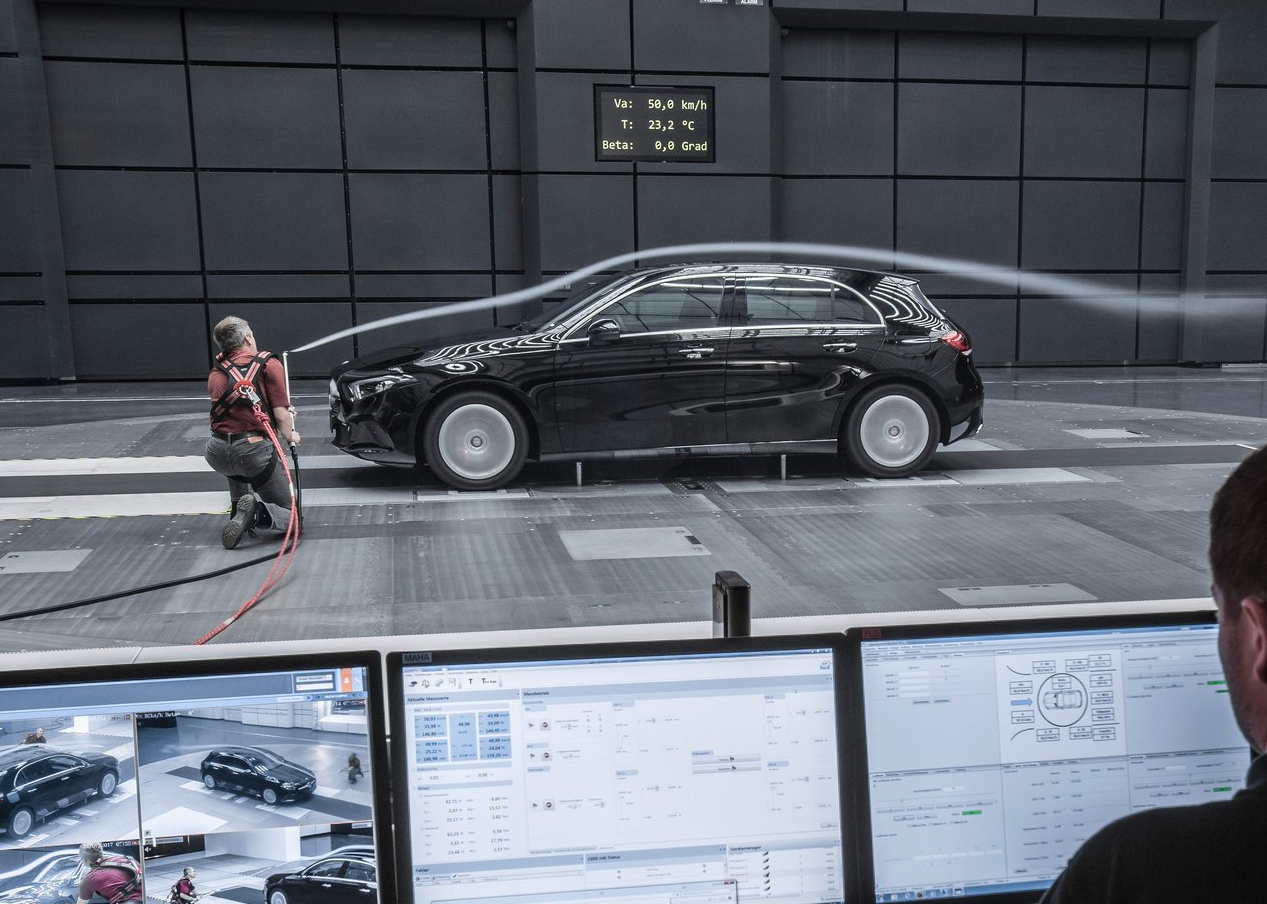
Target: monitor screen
<point>698,771</point>
<point>255,781</point>
<point>993,751</point>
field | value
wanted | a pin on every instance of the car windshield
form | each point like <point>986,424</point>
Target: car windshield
<point>263,760</point>
<point>557,313</point>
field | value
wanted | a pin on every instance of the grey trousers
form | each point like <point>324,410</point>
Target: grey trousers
<point>241,461</point>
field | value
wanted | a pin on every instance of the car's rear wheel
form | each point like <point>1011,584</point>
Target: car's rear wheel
<point>890,431</point>
<point>269,795</point>
<point>475,441</point>
<point>20,823</point>
<point>107,783</point>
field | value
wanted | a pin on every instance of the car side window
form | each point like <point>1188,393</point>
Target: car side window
<point>34,772</point>
<point>359,873</point>
<point>330,869</point>
<point>797,300</point>
<point>62,763</point>
<point>682,303</point>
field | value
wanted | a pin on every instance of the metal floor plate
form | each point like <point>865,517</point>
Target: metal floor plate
<point>631,543</point>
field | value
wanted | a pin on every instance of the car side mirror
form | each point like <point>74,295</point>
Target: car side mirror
<point>602,331</point>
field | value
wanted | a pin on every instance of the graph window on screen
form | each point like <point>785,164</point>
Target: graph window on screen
<point>992,757</point>
<point>240,771</point>
<point>664,776</point>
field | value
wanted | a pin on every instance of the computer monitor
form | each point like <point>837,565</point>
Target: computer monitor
<point>992,751</point>
<point>238,769</point>
<point>688,772</point>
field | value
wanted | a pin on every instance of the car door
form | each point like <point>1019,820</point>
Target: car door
<point>234,772</point>
<point>74,779</point>
<point>800,342</point>
<point>323,885</point>
<point>646,369</point>
<point>37,787</point>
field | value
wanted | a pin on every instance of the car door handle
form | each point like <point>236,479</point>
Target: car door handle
<point>841,346</point>
<point>695,351</point>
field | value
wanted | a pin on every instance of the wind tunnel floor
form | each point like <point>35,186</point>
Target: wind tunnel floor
<point>1086,484</point>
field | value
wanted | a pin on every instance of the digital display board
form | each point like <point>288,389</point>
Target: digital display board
<point>658,124</point>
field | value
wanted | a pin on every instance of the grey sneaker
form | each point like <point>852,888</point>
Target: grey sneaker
<point>244,518</point>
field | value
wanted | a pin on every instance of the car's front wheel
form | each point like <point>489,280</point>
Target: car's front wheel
<point>210,781</point>
<point>277,896</point>
<point>107,783</point>
<point>475,441</point>
<point>270,796</point>
<point>20,823</point>
<point>890,431</point>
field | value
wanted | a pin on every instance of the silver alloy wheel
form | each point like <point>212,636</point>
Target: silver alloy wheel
<point>21,823</point>
<point>894,431</point>
<point>476,441</point>
<point>277,897</point>
<point>109,781</point>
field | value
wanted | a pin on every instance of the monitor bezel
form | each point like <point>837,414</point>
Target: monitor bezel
<point>855,637</point>
<point>834,642</point>
<point>376,722</point>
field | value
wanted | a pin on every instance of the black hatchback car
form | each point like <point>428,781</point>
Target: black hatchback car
<point>708,359</point>
<point>37,782</point>
<point>337,879</point>
<point>257,771</point>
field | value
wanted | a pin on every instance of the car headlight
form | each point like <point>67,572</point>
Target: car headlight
<point>375,385</point>
<point>289,786</point>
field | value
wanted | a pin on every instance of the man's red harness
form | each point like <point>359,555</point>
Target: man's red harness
<point>245,386</point>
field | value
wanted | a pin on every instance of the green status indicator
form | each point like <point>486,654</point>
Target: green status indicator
<point>971,813</point>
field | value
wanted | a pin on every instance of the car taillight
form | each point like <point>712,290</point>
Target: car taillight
<point>956,340</point>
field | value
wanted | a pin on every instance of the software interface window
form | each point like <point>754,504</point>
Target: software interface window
<point>993,757</point>
<point>629,778</point>
<point>240,775</point>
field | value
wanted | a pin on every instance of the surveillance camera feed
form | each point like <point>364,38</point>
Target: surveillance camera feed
<point>238,781</point>
<point>993,752</point>
<point>640,774</point>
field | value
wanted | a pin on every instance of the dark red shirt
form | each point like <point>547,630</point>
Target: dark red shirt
<point>272,385</point>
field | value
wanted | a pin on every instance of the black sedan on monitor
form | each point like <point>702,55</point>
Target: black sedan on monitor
<point>348,878</point>
<point>707,359</point>
<point>36,782</point>
<point>257,771</point>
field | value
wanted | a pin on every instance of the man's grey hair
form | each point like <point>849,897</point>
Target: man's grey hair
<point>90,852</point>
<point>230,333</point>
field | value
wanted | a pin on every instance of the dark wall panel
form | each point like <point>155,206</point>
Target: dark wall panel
<point>409,41</point>
<point>14,137</point>
<point>277,285</point>
<point>838,128</point>
<point>584,219</point>
<point>19,251</point>
<point>1083,58</point>
<point>1166,142</point>
<point>100,330</point>
<point>260,37</point>
<point>128,220</point>
<point>118,114</point>
<point>1242,36</point>
<point>1238,226</point>
<point>1159,318</point>
<point>990,322</point>
<point>25,359</point>
<point>503,120</point>
<point>448,321</point>
<point>21,288</point>
<point>265,117</point>
<point>420,222</point>
<point>508,232</point>
<point>1170,61</point>
<point>700,37</point>
<point>1080,226</point>
<point>134,286</point>
<point>1065,330</point>
<point>838,211</point>
<point>1095,132</point>
<point>1162,238</point>
<point>401,119</point>
<point>1126,9</point>
<point>1238,322</point>
<point>1240,133</point>
<point>941,130</point>
<point>838,54</point>
<point>115,33</point>
<point>281,326</point>
<point>560,25</point>
<point>274,221</point>
<point>423,286</point>
<point>677,209</point>
<point>975,57</point>
<point>972,220</point>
